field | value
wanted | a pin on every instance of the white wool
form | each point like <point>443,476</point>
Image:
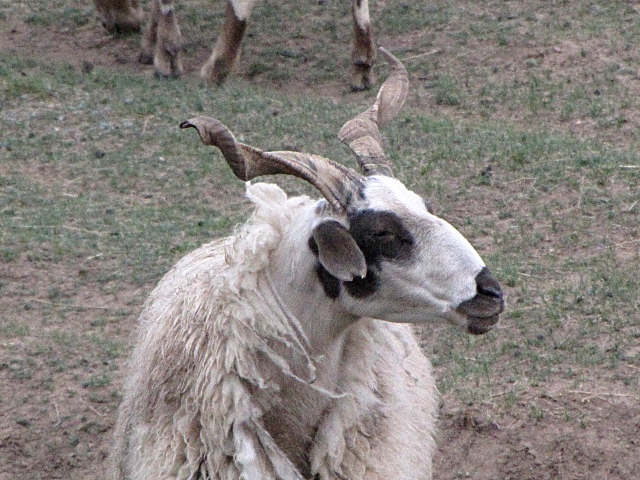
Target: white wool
<point>220,362</point>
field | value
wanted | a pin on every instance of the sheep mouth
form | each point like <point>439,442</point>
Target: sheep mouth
<point>481,325</point>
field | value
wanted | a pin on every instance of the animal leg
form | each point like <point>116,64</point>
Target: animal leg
<point>150,36</point>
<point>363,54</point>
<point>121,16</point>
<point>227,47</point>
<point>167,54</point>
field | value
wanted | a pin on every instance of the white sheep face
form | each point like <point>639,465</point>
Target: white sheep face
<point>418,267</point>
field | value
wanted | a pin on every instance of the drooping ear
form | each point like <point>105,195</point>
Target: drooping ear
<point>338,252</point>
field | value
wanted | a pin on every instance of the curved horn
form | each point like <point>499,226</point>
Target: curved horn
<point>336,182</point>
<point>362,133</point>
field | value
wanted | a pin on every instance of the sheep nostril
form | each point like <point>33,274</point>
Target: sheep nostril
<point>490,292</point>
<point>487,284</point>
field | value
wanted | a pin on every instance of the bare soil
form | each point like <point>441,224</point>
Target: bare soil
<point>583,434</point>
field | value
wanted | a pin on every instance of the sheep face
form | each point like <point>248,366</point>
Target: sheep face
<point>418,268</point>
<point>381,254</point>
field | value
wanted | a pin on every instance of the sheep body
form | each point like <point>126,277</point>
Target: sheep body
<point>227,383</point>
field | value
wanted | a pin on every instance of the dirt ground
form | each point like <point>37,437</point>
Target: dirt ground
<point>583,435</point>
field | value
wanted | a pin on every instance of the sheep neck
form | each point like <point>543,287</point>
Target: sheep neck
<point>322,323</point>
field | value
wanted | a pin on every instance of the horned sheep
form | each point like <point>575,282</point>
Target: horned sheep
<point>285,351</point>
<point>162,40</point>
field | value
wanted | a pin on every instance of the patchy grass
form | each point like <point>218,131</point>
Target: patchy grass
<point>556,219</point>
<point>521,129</point>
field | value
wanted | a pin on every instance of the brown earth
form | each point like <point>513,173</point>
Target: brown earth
<point>583,434</point>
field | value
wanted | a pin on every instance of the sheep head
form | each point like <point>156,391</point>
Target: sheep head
<point>381,253</point>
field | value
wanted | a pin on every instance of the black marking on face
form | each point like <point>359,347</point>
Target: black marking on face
<point>330,284</point>
<point>380,235</point>
<point>363,287</point>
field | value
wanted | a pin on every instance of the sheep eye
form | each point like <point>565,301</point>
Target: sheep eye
<point>383,235</point>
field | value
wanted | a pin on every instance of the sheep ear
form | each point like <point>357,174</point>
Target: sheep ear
<point>338,252</point>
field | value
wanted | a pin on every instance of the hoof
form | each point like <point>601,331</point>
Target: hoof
<point>216,73</point>
<point>168,62</point>
<point>171,75</point>
<point>168,74</point>
<point>362,77</point>
<point>170,69</point>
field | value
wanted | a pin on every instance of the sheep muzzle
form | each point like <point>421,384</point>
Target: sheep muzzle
<point>484,308</point>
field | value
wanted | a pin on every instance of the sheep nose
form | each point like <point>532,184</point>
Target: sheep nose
<point>484,308</point>
<point>488,285</point>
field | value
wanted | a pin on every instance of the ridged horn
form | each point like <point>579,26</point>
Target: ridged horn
<point>362,133</point>
<point>336,182</point>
